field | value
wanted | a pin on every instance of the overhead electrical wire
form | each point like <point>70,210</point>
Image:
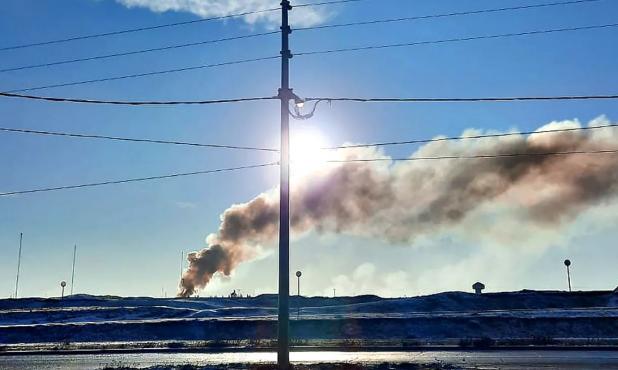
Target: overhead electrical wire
<point>165,25</point>
<point>139,29</point>
<point>333,2</point>
<point>136,75</point>
<point>331,99</point>
<point>316,52</point>
<point>452,40</point>
<point>137,103</point>
<point>449,157</point>
<point>351,146</point>
<point>464,100</point>
<point>113,182</point>
<point>138,140</point>
<point>255,35</point>
<point>478,156</point>
<point>443,15</point>
<point>134,52</point>
<point>471,137</point>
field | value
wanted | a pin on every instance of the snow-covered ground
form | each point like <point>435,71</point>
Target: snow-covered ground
<point>525,314</point>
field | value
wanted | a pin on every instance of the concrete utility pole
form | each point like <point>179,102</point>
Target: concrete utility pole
<point>285,94</point>
<point>21,236</point>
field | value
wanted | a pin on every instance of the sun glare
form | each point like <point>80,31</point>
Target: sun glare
<point>306,154</point>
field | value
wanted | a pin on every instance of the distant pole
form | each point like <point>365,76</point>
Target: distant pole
<point>21,236</point>
<point>73,270</point>
<point>334,291</point>
<point>567,263</point>
<point>285,94</point>
<point>182,262</point>
<point>298,275</point>
<point>62,284</point>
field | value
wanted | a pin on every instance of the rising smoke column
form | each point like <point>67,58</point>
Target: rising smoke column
<point>397,202</point>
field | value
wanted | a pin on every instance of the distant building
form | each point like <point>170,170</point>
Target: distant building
<point>234,294</point>
<point>478,287</point>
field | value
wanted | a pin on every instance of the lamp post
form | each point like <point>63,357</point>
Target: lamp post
<point>62,284</point>
<point>567,263</point>
<point>298,275</point>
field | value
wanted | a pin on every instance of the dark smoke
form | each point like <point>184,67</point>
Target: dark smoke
<point>398,202</point>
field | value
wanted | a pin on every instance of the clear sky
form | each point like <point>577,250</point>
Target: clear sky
<point>130,236</point>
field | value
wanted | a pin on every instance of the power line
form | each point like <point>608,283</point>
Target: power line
<point>331,99</point>
<point>139,29</point>
<point>39,190</point>
<point>331,51</point>
<point>326,3</point>
<point>422,141</point>
<point>135,52</point>
<point>327,26</point>
<point>136,75</point>
<point>117,138</point>
<point>444,15</point>
<point>478,156</point>
<point>165,25</point>
<point>464,100</point>
<point>459,39</point>
<point>137,103</point>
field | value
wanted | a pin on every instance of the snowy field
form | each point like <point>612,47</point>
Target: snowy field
<point>454,317</point>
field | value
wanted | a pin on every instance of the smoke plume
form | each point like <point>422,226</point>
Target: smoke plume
<point>399,201</point>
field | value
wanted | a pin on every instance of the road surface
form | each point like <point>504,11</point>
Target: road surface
<point>506,360</point>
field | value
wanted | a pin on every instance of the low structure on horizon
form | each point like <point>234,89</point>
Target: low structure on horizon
<point>478,287</point>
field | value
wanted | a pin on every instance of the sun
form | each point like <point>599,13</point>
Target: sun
<point>306,151</point>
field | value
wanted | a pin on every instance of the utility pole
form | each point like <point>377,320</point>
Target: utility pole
<point>73,269</point>
<point>285,94</point>
<point>21,236</point>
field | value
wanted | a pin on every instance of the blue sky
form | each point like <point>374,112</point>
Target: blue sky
<point>130,236</point>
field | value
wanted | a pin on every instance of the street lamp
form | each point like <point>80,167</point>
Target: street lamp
<point>63,284</point>
<point>299,104</point>
<point>298,275</point>
<point>567,263</point>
